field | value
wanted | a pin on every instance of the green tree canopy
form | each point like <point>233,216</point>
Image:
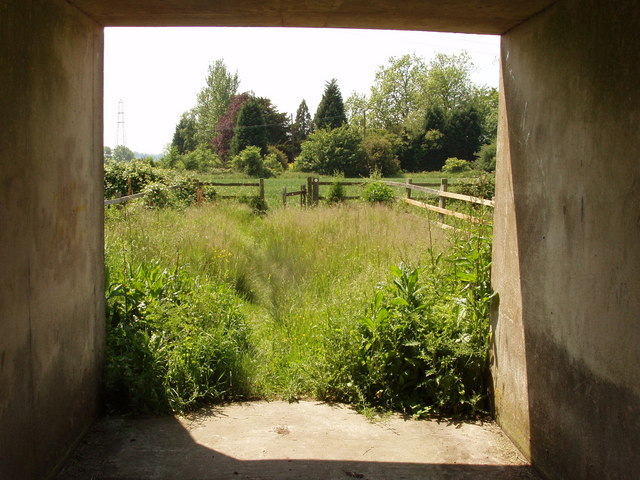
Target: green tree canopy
<point>330,113</point>
<point>227,124</point>
<point>213,100</point>
<point>122,154</point>
<point>276,123</point>
<point>447,83</point>
<point>358,108</point>
<point>250,128</point>
<point>184,137</point>
<point>329,151</point>
<point>395,95</point>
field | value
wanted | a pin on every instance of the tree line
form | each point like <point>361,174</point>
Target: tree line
<point>415,117</point>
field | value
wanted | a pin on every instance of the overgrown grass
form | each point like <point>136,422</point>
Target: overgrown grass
<point>290,305</point>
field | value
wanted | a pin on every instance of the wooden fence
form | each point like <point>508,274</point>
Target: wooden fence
<point>443,194</point>
<point>259,184</point>
<point>310,195</point>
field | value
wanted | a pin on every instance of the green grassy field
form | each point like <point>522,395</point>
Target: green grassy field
<point>213,302</point>
<point>293,181</point>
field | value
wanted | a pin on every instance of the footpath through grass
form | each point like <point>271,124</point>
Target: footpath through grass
<point>359,303</point>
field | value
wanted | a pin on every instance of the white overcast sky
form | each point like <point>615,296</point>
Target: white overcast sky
<point>157,72</point>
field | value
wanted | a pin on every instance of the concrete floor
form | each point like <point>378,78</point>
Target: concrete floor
<point>305,440</point>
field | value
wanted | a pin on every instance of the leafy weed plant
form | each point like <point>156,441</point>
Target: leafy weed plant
<point>174,342</point>
<point>215,303</point>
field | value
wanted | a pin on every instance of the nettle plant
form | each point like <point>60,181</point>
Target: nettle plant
<point>422,345</point>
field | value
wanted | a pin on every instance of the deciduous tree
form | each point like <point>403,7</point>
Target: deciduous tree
<point>227,124</point>
<point>184,137</point>
<point>395,95</point>
<point>213,100</point>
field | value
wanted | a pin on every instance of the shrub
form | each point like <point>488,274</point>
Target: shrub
<point>380,155</point>
<point>486,157</point>
<point>328,151</point>
<point>157,195</point>
<point>456,165</point>
<point>279,155</point>
<point>483,186</point>
<point>250,162</point>
<point>272,162</point>
<point>336,193</point>
<point>117,175</point>
<point>201,159</point>
<point>209,192</point>
<point>377,192</point>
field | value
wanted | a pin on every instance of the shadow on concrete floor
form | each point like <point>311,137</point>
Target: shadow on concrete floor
<point>277,440</point>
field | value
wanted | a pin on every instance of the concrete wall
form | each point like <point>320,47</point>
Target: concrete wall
<point>51,273</point>
<point>567,241</point>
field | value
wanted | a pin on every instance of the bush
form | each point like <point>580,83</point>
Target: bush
<point>486,157</point>
<point>250,162</point>
<point>377,192</point>
<point>329,151</point>
<point>117,175</point>
<point>258,205</point>
<point>483,186</point>
<point>279,156</point>
<point>456,165</point>
<point>380,155</point>
<point>201,159</point>
<point>336,193</point>
<point>157,195</point>
<point>209,192</point>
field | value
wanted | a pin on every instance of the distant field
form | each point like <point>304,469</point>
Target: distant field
<point>293,181</point>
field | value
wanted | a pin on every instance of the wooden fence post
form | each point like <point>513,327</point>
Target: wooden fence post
<point>262,189</point>
<point>199,195</point>
<point>129,187</point>
<point>442,201</point>
<point>309,191</point>
<point>303,196</point>
<point>284,196</point>
<point>316,191</point>
<point>409,181</point>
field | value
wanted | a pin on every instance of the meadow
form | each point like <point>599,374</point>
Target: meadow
<point>364,303</point>
<point>294,180</point>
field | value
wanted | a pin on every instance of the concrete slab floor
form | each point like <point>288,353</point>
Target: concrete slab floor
<point>305,440</point>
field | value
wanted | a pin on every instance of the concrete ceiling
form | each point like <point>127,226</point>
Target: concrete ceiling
<point>469,16</point>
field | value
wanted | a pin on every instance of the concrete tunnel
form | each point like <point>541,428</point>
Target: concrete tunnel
<point>565,326</point>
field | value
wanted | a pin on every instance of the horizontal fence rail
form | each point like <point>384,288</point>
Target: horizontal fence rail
<point>310,195</point>
<point>259,184</point>
<point>443,193</point>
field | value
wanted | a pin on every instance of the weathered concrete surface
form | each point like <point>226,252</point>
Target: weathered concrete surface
<point>306,440</point>
<point>566,249</point>
<point>470,16</point>
<point>51,287</point>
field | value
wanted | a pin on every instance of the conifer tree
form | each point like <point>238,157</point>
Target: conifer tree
<point>250,129</point>
<point>301,128</point>
<point>330,113</point>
